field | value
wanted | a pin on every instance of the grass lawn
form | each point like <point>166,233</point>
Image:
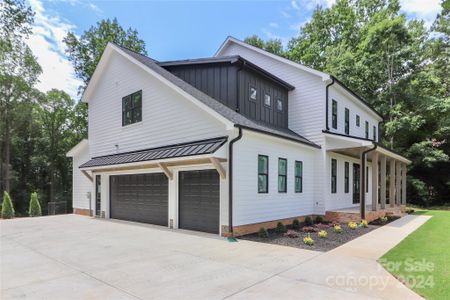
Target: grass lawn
<point>422,260</point>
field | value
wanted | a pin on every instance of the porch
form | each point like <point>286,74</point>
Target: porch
<point>345,215</point>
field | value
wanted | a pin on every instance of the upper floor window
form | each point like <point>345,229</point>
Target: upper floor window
<point>253,93</point>
<point>374,133</point>
<point>358,121</point>
<point>347,121</point>
<point>280,105</point>
<point>132,108</point>
<point>367,130</point>
<point>333,175</point>
<point>298,176</point>
<point>334,114</point>
<point>263,174</point>
<point>346,177</point>
<point>267,100</point>
<point>282,175</point>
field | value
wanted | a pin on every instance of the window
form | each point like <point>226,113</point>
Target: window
<point>346,177</point>
<point>347,121</point>
<point>333,175</point>
<point>252,93</point>
<point>334,115</point>
<point>280,105</point>
<point>358,121</point>
<point>263,174</point>
<point>367,130</point>
<point>282,174</point>
<point>298,176</point>
<point>132,108</point>
<point>267,100</point>
<point>374,133</point>
<point>367,179</point>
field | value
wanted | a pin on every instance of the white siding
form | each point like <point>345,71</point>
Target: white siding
<point>81,186</point>
<point>355,108</point>
<point>167,116</point>
<point>306,102</point>
<point>249,206</point>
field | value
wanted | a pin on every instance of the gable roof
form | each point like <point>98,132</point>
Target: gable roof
<point>77,148</point>
<point>199,98</point>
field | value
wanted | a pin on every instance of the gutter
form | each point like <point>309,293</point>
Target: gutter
<point>230,181</point>
<point>326,102</point>
<point>362,184</point>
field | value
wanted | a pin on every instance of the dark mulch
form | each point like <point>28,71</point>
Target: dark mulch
<point>389,220</point>
<point>332,241</point>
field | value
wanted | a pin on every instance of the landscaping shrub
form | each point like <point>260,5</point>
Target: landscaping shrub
<point>323,234</point>
<point>322,226</point>
<point>281,228</point>
<point>383,220</point>
<point>308,221</point>
<point>318,220</point>
<point>352,225</point>
<point>7,207</point>
<point>295,224</point>
<point>308,240</point>
<point>263,233</point>
<point>337,228</point>
<point>291,234</point>
<point>310,229</point>
<point>410,211</point>
<point>34,209</point>
<point>364,223</point>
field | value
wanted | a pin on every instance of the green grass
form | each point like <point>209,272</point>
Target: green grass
<point>422,259</point>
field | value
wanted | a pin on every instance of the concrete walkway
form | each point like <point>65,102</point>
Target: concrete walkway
<point>74,257</point>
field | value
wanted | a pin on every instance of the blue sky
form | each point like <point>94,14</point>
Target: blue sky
<point>173,29</point>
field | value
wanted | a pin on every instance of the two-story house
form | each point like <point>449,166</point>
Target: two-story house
<point>229,144</point>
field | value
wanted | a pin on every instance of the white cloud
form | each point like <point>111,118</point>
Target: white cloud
<point>271,35</point>
<point>423,9</point>
<point>294,5</point>
<point>47,45</point>
<point>285,14</point>
<point>296,26</point>
<point>273,25</point>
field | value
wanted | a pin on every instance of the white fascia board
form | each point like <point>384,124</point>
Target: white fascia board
<point>349,139</point>
<point>280,139</point>
<point>77,148</point>
<point>389,153</point>
<point>231,39</point>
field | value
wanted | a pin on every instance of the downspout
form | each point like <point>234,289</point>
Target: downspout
<point>363,181</point>
<point>326,102</point>
<point>230,181</point>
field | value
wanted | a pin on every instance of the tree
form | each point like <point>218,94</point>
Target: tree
<point>34,209</point>
<point>274,46</point>
<point>7,207</point>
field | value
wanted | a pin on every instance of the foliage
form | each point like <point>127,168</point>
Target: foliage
<point>263,233</point>
<point>7,207</point>
<point>34,209</point>
<point>337,228</point>
<point>308,240</point>
<point>281,228</point>
<point>364,223</point>
<point>310,229</point>
<point>383,220</point>
<point>295,224</point>
<point>352,225</point>
<point>308,221</point>
<point>322,234</point>
<point>291,234</point>
<point>274,46</point>
<point>318,219</point>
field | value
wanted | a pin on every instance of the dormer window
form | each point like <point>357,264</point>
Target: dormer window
<point>334,114</point>
<point>358,121</point>
<point>252,93</point>
<point>132,108</point>
<point>279,105</point>
<point>267,100</point>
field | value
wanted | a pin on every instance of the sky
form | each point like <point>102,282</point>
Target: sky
<point>173,29</point>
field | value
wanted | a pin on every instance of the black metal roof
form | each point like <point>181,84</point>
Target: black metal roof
<point>179,150</point>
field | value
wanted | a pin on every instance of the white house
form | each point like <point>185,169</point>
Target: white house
<point>229,144</point>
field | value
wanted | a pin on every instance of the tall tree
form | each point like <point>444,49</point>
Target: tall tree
<point>274,46</point>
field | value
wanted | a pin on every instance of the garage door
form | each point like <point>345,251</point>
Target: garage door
<point>199,200</point>
<point>140,198</point>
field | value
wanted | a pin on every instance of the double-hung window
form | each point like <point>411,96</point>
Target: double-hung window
<point>347,121</point>
<point>282,175</point>
<point>367,130</point>
<point>358,121</point>
<point>346,177</point>
<point>263,174</point>
<point>334,113</point>
<point>298,176</point>
<point>132,108</point>
<point>333,175</point>
<point>374,133</point>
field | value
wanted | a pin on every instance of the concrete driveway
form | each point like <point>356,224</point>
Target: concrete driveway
<point>75,257</point>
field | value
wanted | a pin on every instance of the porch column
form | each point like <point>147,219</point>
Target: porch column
<point>375,181</point>
<point>404,185</point>
<point>398,178</point>
<point>362,186</point>
<point>383,182</point>
<point>391,182</point>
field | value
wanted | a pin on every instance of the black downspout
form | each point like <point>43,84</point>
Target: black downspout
<point>326,102</point>
<point>362,184</point>
<point>230,181</point>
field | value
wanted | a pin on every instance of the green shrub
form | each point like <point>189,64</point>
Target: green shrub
<point>308,240</point>
<point>281,228</point>
<point>308,221</point>
<point>7,207</point>
<point>263,233</point>
<point>295,224</point>
<point>319,219</point>
<point>337,228</point>
<point>322,234</point>
<point>34,209</point>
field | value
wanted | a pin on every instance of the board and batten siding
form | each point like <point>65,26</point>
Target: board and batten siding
<point>249,206</point>
<point>167,116</point>
<point>81,185</point>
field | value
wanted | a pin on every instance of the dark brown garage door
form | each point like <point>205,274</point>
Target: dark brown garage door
<point>199,200</point>
<point>140,198</point>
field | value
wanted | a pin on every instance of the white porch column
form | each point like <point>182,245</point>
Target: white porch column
<point>404,185</point>
<point>398,178</point>
<point>391,182</point>
<point>383,182</point>
<point>375,181</point>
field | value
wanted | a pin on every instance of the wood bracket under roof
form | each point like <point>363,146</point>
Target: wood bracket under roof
<point>166,170</point>
<point>216,163</point>
<point>85,173</point>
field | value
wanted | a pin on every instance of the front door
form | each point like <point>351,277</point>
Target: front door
<point>356,183</point>
<point>98,195</point>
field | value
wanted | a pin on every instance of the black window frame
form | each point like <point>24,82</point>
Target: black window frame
<point>280,175</point>
<point>367,129</point>
<point>334,113</point>
<point>374,128</point>
<point>333,176</point>
<point>133,109</point>
<point>347,121</point>
<point>358,121</point>
<point>298,177</point>
<point>346,177</point>
<point>266,174</point>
